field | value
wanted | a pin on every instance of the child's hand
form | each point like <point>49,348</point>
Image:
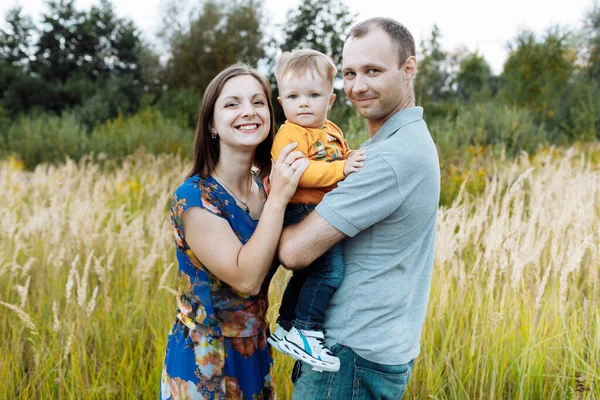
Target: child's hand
<point>354,162</point>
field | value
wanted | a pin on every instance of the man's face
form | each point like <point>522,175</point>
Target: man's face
<point>373,80</point>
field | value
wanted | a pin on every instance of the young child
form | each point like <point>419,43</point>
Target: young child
<point>305,80</point>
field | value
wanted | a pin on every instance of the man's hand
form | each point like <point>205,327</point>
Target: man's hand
<point>354,162</point>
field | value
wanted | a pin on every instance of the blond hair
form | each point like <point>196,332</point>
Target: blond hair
<point>299,62</point>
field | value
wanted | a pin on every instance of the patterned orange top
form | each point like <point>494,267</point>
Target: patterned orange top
<point>326,150</point>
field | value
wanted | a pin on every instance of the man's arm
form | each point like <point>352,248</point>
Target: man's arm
<point>302,243</point>
<point>345,211</point>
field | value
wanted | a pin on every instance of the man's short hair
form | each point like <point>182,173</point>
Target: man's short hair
<point>395,30</point>
<point>299,62</point>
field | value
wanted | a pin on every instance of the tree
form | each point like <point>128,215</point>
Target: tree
<point>592,37</point>
<point>537,72</point>
<point>15,40</point>
<point>473,77</point>
<point>318,25</point>
<point>222,34</point>
<point>432,83</point>
<point>582,100</point>
<point>95,45</point>
<point>79,51</point>
<point>19,91</point>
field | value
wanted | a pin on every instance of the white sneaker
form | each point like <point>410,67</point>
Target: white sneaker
<point>309,346</point>
<point>276,337</point>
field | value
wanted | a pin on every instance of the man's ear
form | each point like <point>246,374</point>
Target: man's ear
<point>331,100</point>
<point>410,67</point>
<point>279,100</point>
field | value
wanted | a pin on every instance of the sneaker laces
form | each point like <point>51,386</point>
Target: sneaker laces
<point>324,346</point>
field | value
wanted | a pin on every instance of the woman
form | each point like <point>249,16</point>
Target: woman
<point>217,347</point>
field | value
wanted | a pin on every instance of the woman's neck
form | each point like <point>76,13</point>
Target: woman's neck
<point>234,169</point>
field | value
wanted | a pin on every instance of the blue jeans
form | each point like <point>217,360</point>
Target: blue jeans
<point>357,379</point>
<point>309,290</point>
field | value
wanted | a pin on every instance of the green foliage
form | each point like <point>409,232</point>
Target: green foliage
<point>50,138</point>
<point>15,40</point>
<point>473,79</point>
<point>505,127</point>
<point>537,73</point>
<point>43,138</point>
<point>320,25</point>
<point>20,91</point>
<point>148,129</point>
<point>92,68</point>
<point>222,34</point>
<point>94,44</point>
<point>582,121</point>
<point>180,105</point>
<point>479,132</point>
<point>77,57</point>
<point>432,83</point>
<point>119,95</point>
<point>592,36</point>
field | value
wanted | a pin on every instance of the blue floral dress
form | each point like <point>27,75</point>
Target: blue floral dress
<point>217,348</point>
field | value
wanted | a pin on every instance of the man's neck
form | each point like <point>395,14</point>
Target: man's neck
<point>373,125</point>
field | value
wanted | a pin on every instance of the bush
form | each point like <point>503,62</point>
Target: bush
<point>148,129</point>
<point>500,126</point>
<point>43,138</point>
<point>180,105</point>
<point>583,121</point>
<point>51,138</point>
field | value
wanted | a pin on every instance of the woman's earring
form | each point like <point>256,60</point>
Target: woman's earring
<point>213,134</point>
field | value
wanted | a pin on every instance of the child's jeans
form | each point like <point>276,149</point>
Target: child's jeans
<point>309,290</point>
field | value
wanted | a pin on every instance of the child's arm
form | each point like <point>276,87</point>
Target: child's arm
<point>319,173</point>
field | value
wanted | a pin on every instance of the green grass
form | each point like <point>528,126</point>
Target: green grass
<point>491,332</point>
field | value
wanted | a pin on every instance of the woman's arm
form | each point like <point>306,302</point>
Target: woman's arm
<point>214,243</point>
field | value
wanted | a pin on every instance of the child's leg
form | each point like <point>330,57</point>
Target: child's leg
<point>306,340</point>
<point>289,300</point>
<point>325,275</point>
<point>294,213</point>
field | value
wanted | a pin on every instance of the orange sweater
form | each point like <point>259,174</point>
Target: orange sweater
<point>326,150</point>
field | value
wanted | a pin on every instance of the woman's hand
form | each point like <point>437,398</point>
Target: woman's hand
<point>286,172</point>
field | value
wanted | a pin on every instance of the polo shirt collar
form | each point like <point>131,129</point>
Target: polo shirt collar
<point>395,122</point>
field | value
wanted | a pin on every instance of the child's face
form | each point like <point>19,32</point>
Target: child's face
<point>306,99</point>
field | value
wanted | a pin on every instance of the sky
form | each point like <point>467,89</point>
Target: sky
<point>474,25</point>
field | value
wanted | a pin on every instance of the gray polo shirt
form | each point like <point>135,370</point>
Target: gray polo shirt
<point>388,209</point>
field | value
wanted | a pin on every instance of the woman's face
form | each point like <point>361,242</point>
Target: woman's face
<point>241,117</point>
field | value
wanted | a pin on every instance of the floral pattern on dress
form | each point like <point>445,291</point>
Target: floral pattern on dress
<point>217,348</point>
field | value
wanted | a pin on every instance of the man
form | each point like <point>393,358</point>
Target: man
<point>387,213</point>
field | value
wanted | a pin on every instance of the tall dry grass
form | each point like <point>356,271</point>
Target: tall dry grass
<point>88,273</point>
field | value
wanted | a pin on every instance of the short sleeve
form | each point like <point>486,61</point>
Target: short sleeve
<point>363,198</point>
<point>193,193</point>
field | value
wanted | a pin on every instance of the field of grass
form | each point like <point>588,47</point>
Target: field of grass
<point>88,282</point>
